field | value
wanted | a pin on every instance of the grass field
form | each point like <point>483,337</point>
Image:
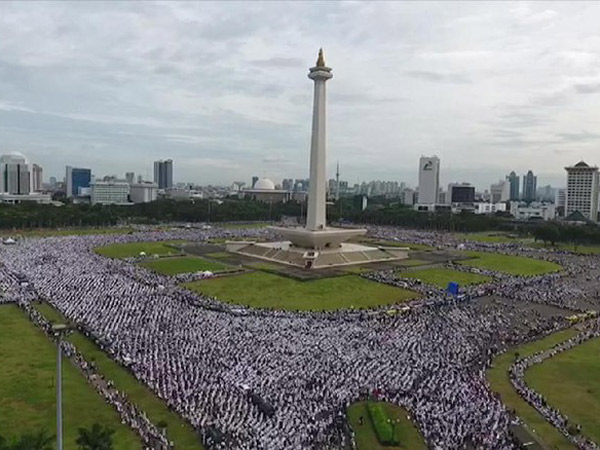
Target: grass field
<point>514,265</point>
<point>570,381</point>
<point>366,439</point>
<point>132,249</point>
<point>441,277</point>
<point>581,249</point>
<point>497,376</point>
<point>178,430</point>
<point>49,232</point>
<point>182,264</point>
<point>412,262</point>
<point>265,290</point>
<point>410,245</point>
<point>493,237</point>
<point>28,392</point>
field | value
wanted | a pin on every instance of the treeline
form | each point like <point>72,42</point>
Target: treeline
<point>381,211</point>
<point>553,232</point>
<point>27,216</point>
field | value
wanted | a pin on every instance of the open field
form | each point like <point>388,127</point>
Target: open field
<point>366,439</point>
<point>493,237</point>
<point>28,392</point>
<point>178,431</point>
<point>581,249</point>
<point>49,232</point>
<point>570,381</point>
<point>266,290</point>
<point>514,265</point>
<point>132,249</point>
<point>182,264</point>
<point>497,376</point>
<point>410,245</point>
<point>441,277</point>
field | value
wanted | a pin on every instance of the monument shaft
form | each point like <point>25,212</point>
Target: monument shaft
<point>316,212</point>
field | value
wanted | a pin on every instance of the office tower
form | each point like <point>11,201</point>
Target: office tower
<point>529,187</point>
<point>143,192</point>
<point>52,182</point>
<point>110,192</point>
<point>582,191</point>
<point>254,180</point>
<point>429,179</point>
<point>163,173</point>
<point>77,178</point>
<point>129,177</point>
<point>513,179</point>
<point>460,193</point>
<point>14,172</point>
<point>500,191</point>
<point>139,179</point>
<point>36,178</point>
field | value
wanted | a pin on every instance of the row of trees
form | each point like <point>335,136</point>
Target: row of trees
<point>381,211</point>
<point>97,437</point>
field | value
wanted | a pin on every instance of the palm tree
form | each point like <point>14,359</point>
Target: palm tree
<point>98,437</point>
<point>40,440</point>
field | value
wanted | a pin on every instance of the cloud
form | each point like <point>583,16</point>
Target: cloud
<point>453,78</point>
<point>587,88</point>
<point>581,136</point>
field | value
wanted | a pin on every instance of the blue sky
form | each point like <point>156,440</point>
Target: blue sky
<point>222,89</point>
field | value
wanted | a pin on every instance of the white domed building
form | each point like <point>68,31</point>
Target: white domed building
<point>264,190</point>
<point>14,174</point>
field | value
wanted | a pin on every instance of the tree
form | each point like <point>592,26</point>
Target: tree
<point>40,440</point>
<point>98,437</point>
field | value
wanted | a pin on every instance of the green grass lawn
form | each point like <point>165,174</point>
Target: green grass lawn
<point>441,277</point>
<point>514,265</point>
<point>497,376</point>
<point>28,389</point>
<point>219,255</point>
<point>493,237</point>
<point>410,245</point>
<point>412,262</point>
<point>581,249</point>
<point>266,290</point>
<point>570,381</point>
<point>182,264</point>
<point>132,249</point>
<point>178,430</point>
<point>366,439</point>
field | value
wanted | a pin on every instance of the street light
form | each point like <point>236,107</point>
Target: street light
<point>59,331</point>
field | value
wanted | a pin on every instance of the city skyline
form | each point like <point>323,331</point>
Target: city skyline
<point>220,88</point>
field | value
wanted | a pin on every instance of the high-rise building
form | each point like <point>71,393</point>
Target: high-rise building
<point>460,193</point>
<point>546,193</point>
<point>582,191</point>
<point>36,178</point>
<point>77,179</point>
<point>163,173</point>
<point>513,179</point>
<point>14,173</point>
<point>429,179</point>
<point>52,182</point>
<point>500,191</point>
<point>130,177</point>
<point>529,187</point>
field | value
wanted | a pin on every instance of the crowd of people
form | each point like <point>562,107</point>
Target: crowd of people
<point>539,402</point>
<point>256,379</point>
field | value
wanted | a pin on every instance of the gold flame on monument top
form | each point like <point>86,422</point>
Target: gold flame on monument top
<point>320,59</point>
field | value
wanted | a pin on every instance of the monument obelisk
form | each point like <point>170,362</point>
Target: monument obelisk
<point>316,211</point>
<point>316,245</point>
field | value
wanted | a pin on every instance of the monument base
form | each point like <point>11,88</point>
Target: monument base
<point>286,252</point>
<point>327,238</point>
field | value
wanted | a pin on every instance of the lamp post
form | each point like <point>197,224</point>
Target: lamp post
<point>59,330</point>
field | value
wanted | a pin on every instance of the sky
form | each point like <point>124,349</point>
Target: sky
<point>221,88</point>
